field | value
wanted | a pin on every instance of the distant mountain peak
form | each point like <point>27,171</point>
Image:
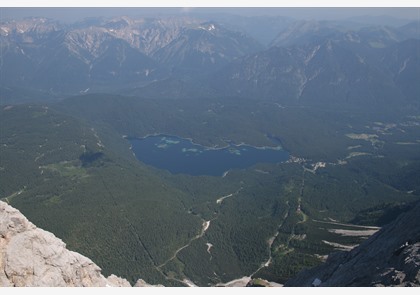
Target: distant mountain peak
<point>209,26</point>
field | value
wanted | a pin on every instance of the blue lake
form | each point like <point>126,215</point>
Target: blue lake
<point>178,155</point>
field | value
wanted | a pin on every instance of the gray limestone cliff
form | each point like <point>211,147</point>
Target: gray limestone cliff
<point>390,257</point>
<point>32,257</point>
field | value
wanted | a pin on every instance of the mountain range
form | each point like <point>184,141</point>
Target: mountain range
<point>42,54</point>
<point>308,62</point>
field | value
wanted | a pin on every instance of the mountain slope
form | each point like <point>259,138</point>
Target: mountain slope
<point>391,257</point>
<point>205,47</point>
<point>326,73</point>
<point>378,36</point>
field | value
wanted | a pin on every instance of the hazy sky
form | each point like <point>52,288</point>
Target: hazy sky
<point>397,9</point>
<point>72,14</point>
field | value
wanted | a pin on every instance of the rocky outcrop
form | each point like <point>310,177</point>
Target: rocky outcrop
<point>32,257</point>
<point>142,283</point>
<point>390,257</point>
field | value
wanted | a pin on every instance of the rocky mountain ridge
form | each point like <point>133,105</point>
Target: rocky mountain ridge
<point>43,54</point>
<point>32,257</point>
<point>309,62</point>
<point>307,31</point>
<point>324,73</point>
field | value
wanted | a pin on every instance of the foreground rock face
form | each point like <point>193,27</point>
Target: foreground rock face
<point>32,257</point>
<point>390,257</point>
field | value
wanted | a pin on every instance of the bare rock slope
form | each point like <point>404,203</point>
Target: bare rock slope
<point>391,257</point>
<point>32,257</point>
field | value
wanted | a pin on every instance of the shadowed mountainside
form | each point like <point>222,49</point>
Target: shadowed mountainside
<point>391,257</point>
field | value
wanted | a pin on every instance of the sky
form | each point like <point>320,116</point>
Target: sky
<point>404,9</point>
<point>75,14</point>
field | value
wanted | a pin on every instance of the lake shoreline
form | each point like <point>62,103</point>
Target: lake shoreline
<point>278,147</point>
<point>182,155</point>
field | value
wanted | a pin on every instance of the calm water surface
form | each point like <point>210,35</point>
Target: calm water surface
<point>178,155</point>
